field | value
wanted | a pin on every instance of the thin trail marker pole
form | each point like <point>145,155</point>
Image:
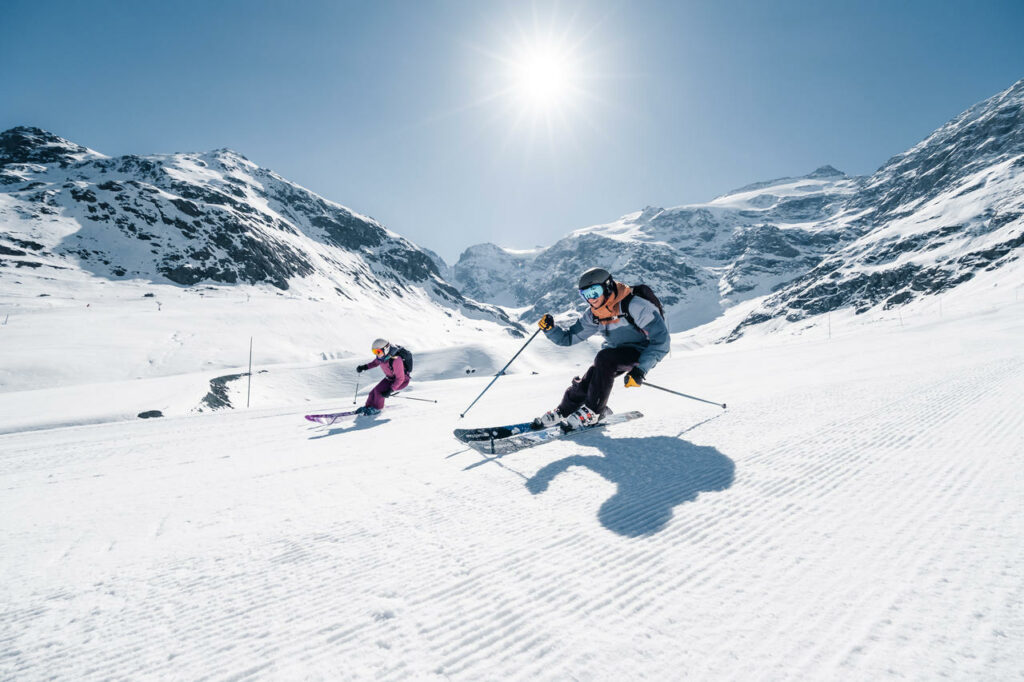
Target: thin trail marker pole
<point>248,391</point>
<point>684,395</point>
<point>502,371</point>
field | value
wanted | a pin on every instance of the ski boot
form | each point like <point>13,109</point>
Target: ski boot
<point>549,418</point>
<point>367,411</point>
<point>582,418</point>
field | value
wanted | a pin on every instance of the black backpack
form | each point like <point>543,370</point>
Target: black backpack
<point>406,359</point>
<point>644,292</point>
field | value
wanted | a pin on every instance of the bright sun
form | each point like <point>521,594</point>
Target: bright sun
<point>542,78</point>
<point>538,80</point>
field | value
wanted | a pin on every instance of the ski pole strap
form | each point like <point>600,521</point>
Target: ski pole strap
<point>684,395</point>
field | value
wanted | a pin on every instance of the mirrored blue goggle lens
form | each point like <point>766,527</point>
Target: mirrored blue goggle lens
<point>592,292</point>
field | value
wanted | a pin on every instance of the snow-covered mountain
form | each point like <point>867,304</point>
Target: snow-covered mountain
<point>700,259</point>
<point>79,229</point>
<point>199,218</point>
<point>947,210</point>
<point>929,219</point>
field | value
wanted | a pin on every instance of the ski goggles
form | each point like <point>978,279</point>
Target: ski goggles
<point>592,292</point>
<point>378,352</point>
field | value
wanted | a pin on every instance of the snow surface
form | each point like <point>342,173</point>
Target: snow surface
<point>856,513</point>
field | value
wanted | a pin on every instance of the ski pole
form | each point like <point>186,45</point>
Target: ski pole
<point>500,373</point>
<point>357,390</point>
<point>409,397</point>
<point>660,388</point>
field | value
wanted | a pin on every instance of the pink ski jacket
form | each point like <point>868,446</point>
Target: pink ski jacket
<point>393,367</point>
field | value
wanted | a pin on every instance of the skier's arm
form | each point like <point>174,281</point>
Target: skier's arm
<point>659,342</point>
<point>374,363</point>
<point>581,329</point>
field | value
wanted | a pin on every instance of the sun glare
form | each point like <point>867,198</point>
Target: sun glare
<point>542,78</point>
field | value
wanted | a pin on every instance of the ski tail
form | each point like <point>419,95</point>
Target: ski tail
<point>332,417</point>
<point>492,432</point>
<point>328,419</point>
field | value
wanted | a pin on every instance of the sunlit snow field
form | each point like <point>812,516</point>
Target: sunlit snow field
<point>855,513</point>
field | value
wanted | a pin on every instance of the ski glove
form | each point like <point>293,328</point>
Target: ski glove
<point>635,377</point>
<point>361,368</point>
<point>547,322</point>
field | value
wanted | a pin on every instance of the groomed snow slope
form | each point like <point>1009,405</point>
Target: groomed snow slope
<point>856,513</point>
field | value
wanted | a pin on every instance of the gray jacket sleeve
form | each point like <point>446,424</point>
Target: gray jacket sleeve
<point>647,317</point>
<point>581,329</point>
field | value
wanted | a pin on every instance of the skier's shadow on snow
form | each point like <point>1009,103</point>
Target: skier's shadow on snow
<point>653,475</point>
<point>357,425</point>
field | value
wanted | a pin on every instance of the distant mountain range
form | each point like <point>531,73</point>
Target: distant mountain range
<point>191,219</point>
<point>700,259</point>
<point>929,219</point>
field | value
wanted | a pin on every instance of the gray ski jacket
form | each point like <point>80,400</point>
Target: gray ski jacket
<point>653,341</point>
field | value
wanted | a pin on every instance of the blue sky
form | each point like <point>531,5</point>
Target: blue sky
<point>428,115</point>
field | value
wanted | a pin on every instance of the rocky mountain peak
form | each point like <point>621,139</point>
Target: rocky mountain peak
<point>26,144</point>
<point>202,219</point>
<point>826,171</point>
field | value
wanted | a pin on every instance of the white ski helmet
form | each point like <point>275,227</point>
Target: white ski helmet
<point>380,345</point>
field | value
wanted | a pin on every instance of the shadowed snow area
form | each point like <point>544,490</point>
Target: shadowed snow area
<point>855,514</point>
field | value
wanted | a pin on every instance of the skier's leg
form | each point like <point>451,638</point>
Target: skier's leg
<point>376,397</point>
<point>609,363</point>
<point>575,394</point>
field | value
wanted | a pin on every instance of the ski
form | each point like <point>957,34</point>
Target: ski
<point>329,418</point>
<point>489,432</point>
<point>530,437</point>
<point>332,417</point>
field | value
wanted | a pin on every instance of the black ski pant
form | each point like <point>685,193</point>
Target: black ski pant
<point>596,385</point>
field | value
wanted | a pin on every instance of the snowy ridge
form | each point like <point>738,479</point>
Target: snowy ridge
<point>700,259</point>
<point>948,210</point>
<point>930,219</point>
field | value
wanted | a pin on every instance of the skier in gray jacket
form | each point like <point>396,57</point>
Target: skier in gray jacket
<point>635,339</point>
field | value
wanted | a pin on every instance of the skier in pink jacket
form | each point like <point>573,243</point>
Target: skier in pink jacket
<point>396,363</point>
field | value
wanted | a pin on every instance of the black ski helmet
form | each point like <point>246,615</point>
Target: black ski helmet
<point>596,276</point>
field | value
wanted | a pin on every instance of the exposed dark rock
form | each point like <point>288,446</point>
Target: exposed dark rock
<point>33,145</point>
